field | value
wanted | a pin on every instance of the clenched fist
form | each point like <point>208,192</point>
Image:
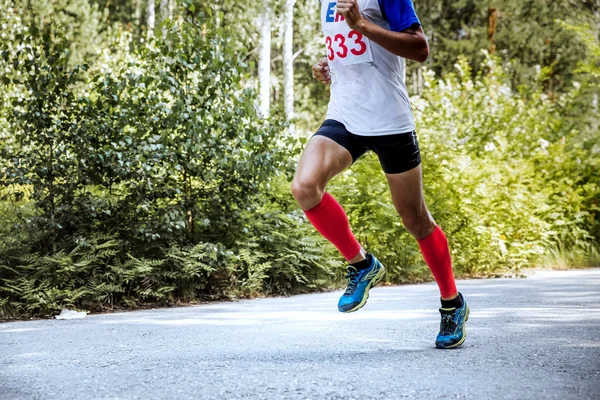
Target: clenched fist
<point>321,71</point>
<point>349,9</point>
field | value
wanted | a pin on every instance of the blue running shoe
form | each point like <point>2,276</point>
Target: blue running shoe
<point>452,328</point>
<point>359,284</point>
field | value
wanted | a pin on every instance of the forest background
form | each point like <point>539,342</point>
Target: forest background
<point>146,148</point>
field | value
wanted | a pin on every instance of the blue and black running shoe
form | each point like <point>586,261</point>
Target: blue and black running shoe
<point>452,328</point>
<point>359,284</point>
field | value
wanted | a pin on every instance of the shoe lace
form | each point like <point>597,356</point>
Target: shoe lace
<point>352,276</point>
<point>447,326</point>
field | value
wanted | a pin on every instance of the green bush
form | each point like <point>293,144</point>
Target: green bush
<point>143,177</point>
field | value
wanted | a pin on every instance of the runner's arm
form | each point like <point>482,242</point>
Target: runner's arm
<point>410,43</point>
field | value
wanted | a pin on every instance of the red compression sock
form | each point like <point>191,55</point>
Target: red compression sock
<point>437,255</point>
<point>329,218</point>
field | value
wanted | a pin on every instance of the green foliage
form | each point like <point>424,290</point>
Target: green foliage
<point>143,175</point>
<point>527,36</point>
<point>167,130</point>
<point>584,112</point>
<point>81,23</point>
<point>278,253</point>
<point>282,253</point>
<point>589,64</point>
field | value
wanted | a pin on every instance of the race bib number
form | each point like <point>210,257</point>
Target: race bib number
<point>345,46</point>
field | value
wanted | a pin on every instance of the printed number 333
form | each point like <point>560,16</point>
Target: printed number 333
<point>358,46</point>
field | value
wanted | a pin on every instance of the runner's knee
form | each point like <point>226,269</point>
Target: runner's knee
<point>417,221</point>
<point>306,192</point>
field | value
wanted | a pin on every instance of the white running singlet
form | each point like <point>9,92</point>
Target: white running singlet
<point>368,94</point>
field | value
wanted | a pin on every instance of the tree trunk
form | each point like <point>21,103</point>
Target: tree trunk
<point>150,17</point>
<point>164,10</point>
<point>264,59</point>
<point>492,26</point>
<point>415,82</point>
<point>164,14</point>
<point>420,82</point>
<point>288,60</point>
<point>138,13</point>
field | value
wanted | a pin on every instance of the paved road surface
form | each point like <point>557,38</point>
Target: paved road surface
<point>534,338</point>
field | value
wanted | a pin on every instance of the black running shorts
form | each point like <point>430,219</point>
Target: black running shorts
<point>397,153</point>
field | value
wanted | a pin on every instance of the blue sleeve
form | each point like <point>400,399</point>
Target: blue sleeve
<point>400,14</point>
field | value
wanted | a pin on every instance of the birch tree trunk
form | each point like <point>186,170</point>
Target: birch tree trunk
<point>138,13</point>
<point>420,82</point>
<point>264,59</point>
<point>151,18</point>
<point>288,60</point>
<point>164,14</point>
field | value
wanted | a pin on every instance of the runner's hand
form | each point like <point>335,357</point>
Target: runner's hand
<point>349,9</point>
<point>321,71</point>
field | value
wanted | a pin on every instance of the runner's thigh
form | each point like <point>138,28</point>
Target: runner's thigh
<point>330,151</point>
<point>321,160</point>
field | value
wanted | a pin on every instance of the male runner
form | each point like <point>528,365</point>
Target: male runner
<point>367,42</point>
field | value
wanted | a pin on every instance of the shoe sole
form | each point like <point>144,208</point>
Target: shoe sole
<point>461,341</point>
<point>371,284</point>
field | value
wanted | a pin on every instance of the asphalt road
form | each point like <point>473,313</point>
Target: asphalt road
<point>534,338</point>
